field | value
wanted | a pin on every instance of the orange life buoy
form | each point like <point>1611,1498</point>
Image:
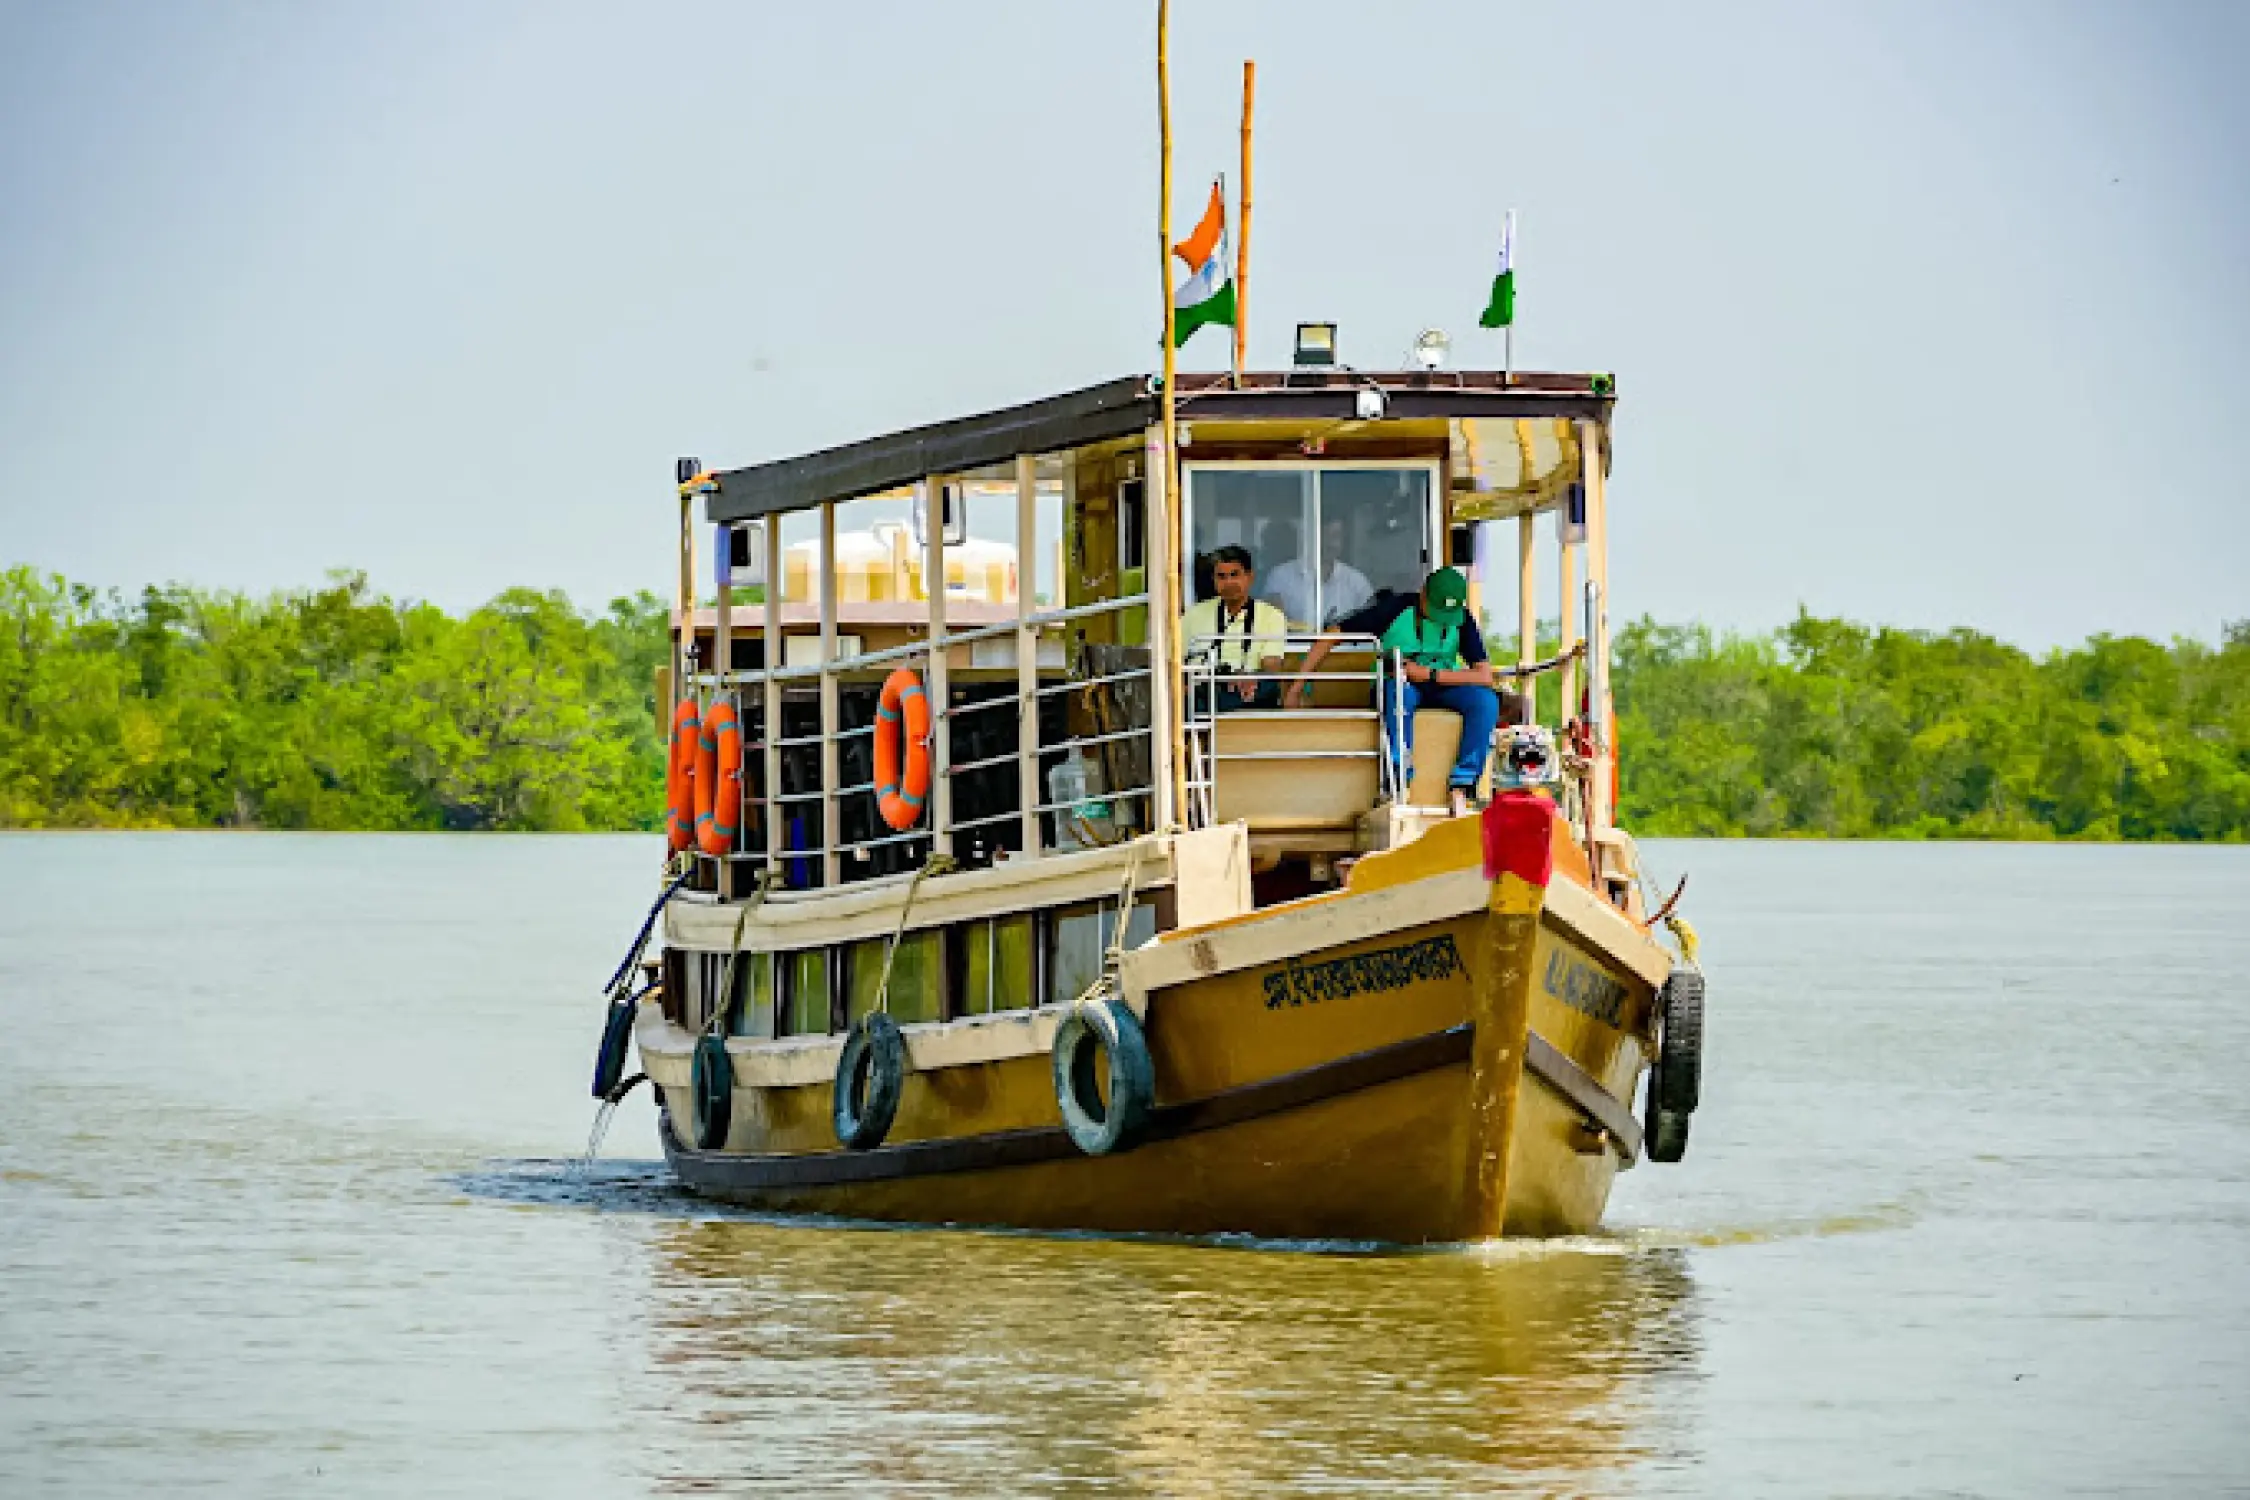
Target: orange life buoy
<point>718,779</point>
<point>902,731</point>
<point>679,776</point>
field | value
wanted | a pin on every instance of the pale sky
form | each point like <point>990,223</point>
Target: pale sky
<point>1926,314</point>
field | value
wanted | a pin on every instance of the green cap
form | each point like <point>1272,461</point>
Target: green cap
<point>1444,595</point>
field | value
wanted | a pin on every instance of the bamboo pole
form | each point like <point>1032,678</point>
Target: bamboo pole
<point>1027,651</point>
<point>831,706</point>
<point>1242,237</point>
<point>1527,613</point>
<point>1163,486</point>
<point>1597,644</point>
<point>776,810</point>
<point>683,642</point>
<point>939,684</point>
<point>722,658</point>
<point>1569,608</point>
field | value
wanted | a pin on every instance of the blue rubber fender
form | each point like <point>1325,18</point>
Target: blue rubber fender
<point>870,1075</point>
<point>1103,1037</point>
<point>617,1041</point>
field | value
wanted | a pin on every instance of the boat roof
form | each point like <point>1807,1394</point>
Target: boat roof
<point>1120,408</point>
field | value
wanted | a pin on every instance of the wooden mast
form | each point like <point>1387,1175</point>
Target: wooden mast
<point>1162,485</point>
<point>1242,235</point>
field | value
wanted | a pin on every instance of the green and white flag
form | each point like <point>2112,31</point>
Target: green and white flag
<point>1500,308</point>
<point>1207,296</point>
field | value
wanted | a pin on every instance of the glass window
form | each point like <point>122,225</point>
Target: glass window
<point>1266,511</point>
<point>1074,951</point>
<point>917,978</point>
<point>1374,535</point>
<point>1323,541</point>
<point>753,985</point>
<point>996,965</point>
<point>805,976</point>
<point>1079,935</point>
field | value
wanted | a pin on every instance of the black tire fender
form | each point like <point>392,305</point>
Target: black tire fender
<point>1087,1036</point>
<point>711,1090</point>
<point>1666,1137</point>
<point>1679,1048</point>
<point>870,1075</point>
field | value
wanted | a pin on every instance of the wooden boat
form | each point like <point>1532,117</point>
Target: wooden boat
<point>1140,965</point>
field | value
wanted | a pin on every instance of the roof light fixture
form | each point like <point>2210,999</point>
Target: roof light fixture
<point>1316,344</point>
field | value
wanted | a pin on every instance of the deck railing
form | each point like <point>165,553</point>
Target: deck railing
<point>1207,678</point>
<point>941,829</point>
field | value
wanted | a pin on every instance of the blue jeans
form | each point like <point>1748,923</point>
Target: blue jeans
<point>1479,708</point>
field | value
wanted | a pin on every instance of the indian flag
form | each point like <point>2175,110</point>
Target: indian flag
<point>1207,296</point>
<point>1500,309</point>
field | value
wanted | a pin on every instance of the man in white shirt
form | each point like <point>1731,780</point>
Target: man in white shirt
<point>1344,590</point>
<point>1238,635</point>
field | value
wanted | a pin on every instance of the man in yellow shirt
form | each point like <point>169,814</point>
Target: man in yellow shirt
<point>1236,634</point>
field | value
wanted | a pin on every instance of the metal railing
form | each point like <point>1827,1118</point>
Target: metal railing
<point>1028,631</point>
<point>1208,676</point>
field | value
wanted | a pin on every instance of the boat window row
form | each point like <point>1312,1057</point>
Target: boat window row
<point>983,967</point>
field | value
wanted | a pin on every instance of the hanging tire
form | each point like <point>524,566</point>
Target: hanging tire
<point>870,1074</point>
<point>1089,1035</point>
<point>1666,1137</point>
<point>1679,1056</point>
<point>711,1090</point>
<point>617,1041</point>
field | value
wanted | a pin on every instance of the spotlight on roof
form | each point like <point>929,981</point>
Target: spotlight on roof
<point>1316,344</point>
<point>1431,346</point>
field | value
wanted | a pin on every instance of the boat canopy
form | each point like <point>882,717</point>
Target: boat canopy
<point>1307,400</point>
<point>1031,567</point>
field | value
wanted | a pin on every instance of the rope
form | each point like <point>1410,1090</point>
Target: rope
<point>734,950</point>
<point>1536,668</point>
<point>648,927</point>
<point>1113,956</point>
<point>936,864</point>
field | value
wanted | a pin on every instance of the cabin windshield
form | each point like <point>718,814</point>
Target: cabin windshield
<point>1324,540</point>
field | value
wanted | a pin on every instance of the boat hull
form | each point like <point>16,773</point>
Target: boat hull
<point>1437,1054</point>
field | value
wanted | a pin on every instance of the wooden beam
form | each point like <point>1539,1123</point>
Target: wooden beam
<point>939,684</point>
<point>1161,484</point>
<point>831,714</point>
<point>722,661</point>
<point>1602,814</point>
<point>683,643</point>
<point>1167,751</point>
<point>776,811</point>
<point>1527,613</point>
<point>1569,609</point>
<point>1027,651</point>
<point>1242,230</point>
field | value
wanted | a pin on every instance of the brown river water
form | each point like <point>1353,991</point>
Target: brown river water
<point>288,1207</point>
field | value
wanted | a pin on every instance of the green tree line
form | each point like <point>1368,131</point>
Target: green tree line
<point>340,708</point>
<point>327,708</point>
<point>1841,730</point>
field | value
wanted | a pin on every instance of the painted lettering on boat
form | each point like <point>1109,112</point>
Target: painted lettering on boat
<point>1585,989</point>
<point>1363,973</point>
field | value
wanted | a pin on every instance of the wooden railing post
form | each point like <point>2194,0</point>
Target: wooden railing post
<point>831,760</point>
<point>938,686</point>
<point>777,811</point>
<point>1027,651</point>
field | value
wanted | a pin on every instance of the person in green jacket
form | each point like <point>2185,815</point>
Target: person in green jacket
<point>1444,665</point>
